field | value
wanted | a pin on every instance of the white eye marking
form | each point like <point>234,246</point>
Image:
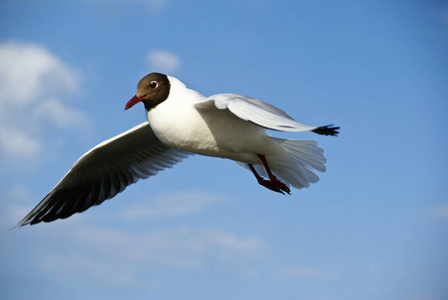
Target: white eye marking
<point>153,84</point>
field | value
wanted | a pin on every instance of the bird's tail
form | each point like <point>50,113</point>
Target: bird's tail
<point>296,168</point>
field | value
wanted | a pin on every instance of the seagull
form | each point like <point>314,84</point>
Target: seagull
<point>181,122</point>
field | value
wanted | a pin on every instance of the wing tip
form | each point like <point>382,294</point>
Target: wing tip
<point>23,222</point>
<point>327,130</point>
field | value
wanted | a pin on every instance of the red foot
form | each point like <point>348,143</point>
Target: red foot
<point>273,183</point>
<point>276,185</point>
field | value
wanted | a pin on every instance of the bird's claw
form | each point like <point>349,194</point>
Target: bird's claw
<point>275,185</point>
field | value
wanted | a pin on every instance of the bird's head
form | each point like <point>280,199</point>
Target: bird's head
<point>152,90</point>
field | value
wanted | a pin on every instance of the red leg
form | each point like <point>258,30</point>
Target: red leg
<point>273,183</point>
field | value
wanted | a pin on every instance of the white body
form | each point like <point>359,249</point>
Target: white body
<point>184,123</point>
<point>178,123</point>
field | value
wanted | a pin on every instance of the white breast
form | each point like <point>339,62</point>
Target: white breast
<point>178,124</point>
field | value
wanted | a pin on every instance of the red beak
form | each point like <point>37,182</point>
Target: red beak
<point>132,102</point>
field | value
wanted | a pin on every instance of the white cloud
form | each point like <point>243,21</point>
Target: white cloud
<point>225,245</point>
<point>33,82</point>
<point>163,61</point>
<point>29,72</point>
<point>15,143</point>
<point>306,272</point>
<point>120,258</point>
<point>178,204</point>
<point>56,113</point>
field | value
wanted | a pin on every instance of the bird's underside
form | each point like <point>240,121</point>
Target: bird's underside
<point>77,195</point>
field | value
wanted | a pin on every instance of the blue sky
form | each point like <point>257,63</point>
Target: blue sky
<point>374,227</point>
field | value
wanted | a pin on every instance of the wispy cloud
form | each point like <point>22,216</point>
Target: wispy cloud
<point>225,245</point>
<point>94,249</point>
<point>163,61</point>
<point>306,272</point>
<point>29,72</point>
<point>178,204</point>
<point>33,82</point>
<point>54,112</point>
<point>17,144</point>
<point>120,258</point>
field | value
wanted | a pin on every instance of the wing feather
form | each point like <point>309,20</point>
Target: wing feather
<point>255,111</point>
<point>105,171</point>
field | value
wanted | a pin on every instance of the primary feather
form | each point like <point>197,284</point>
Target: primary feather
<point>104,171</point>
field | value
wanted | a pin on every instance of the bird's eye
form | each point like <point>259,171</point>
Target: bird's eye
<point>153,84</point>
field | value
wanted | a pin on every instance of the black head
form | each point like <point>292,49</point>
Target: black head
<point>152,90</point>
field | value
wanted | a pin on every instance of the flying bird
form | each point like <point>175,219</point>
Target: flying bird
<point>181,122</point>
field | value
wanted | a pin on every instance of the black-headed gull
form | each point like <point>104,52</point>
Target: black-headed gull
<point>181,121</point>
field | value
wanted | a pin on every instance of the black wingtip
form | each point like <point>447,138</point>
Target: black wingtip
<point>327,130</point>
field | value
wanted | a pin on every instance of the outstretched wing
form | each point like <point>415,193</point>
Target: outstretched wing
<point>261,113</point>
<point>105,171</point>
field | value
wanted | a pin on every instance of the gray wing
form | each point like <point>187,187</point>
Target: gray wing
<point>261,113</point>
<point>105,171</point>
<point>256,111</point>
